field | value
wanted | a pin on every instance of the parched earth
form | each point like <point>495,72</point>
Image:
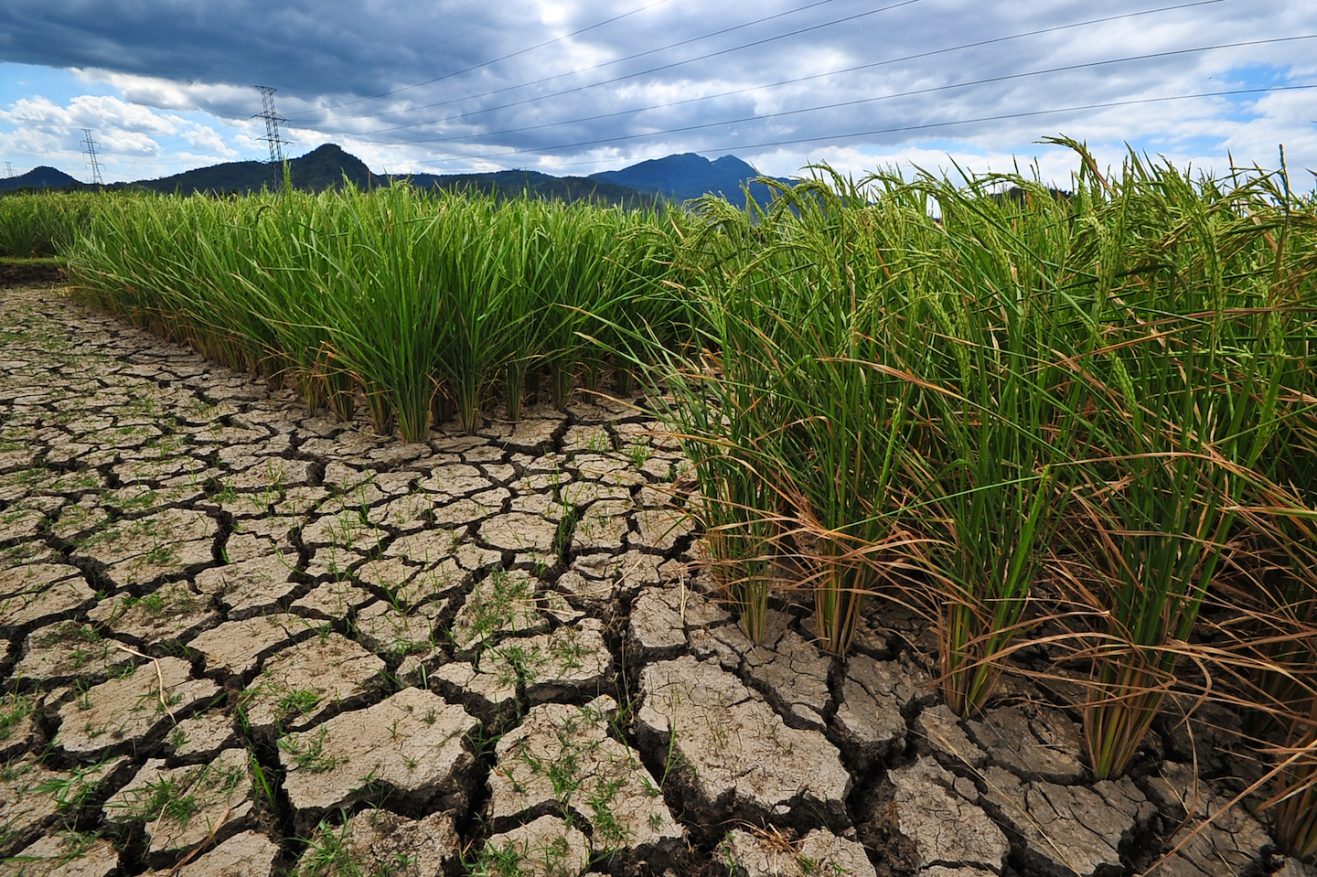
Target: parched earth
<point>240,640</point>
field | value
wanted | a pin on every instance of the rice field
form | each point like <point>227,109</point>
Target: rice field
<point>1080,426</point>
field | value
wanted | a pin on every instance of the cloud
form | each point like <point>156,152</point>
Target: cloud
<point>467,84</point>
<point>130,137</point>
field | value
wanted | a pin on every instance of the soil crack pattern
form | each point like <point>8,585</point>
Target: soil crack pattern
<point>241,639</point>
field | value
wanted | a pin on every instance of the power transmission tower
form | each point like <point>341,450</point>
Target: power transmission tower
<point>89,145</point>
<point>9,169</point>
<point>272,120</point>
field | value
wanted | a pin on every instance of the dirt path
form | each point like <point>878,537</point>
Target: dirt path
<point>244,641</point>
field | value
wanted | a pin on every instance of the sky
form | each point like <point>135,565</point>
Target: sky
<point>580,86</point>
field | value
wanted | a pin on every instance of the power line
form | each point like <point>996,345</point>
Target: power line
<point>756,43</point>
<point>509,56</point>
<point>850,103</point>
<point>600,66</point>
<point>660,68</point>
<point>943,124</point>
<point>868,100</point>
<point>272,120</point>
<point>89,146</point>
<point>911,57</point>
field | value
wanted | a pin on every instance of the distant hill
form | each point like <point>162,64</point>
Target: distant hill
<point>40,178</point>
<point>685,176</point>
<point>514,184</point>
<point>647,184</point>
<point>323,168</point>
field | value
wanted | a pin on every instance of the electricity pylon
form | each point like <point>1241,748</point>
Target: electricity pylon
<point>272,120</point>
<point>89,145</point>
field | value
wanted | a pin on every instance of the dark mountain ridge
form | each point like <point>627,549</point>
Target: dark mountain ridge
<point>647,184</point>
<point>325,167</point>
<point>39,178</point>
<point>687,175</point>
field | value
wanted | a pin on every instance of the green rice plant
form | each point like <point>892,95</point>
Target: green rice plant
<point>43,224</point>
<point>215,256</point>
<point>712,414</point>
<point>1184,375</point>
<point>592,276</point>
<point>421,303</point>
<point>280,278</point>
<point>530,238</point>
<point>798,420</point>
<point>568,271</point>
<point>651,299</point>
<point>485,302</point>
<point>994,469</point>
<point>384,313</point>
<point>139,260</point>
<point>737,503</point>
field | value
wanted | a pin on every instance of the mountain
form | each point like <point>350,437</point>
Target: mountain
<point>647,184</point>
<point>39,178</point>
<point>322,168</point>
<point>685,176</point>
<point>513,184</point>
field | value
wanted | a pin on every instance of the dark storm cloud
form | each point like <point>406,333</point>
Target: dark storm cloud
<point>309,48</point>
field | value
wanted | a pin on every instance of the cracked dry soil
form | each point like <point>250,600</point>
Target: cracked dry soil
<point>240,640</point>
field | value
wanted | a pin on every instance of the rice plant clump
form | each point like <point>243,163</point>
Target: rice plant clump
<point>420,306</point>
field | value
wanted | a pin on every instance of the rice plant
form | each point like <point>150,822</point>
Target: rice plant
<point>424,305</point>
<point>797,418</point>
<point>34,224</point>
<point>1004,417</point>
<point>1271,636</point>
<point>1185,380</point>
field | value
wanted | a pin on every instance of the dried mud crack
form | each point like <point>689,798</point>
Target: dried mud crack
<point>242,640</point>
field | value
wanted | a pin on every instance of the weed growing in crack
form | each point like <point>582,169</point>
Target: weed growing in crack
<point>327,854</point>
<point>81,643</point>
<point>71,791</point>
<point>163,798</point>
<point>639,453</point>
<point>296,702</point>
<point>308,752</point>
<point>226,495</point>
<point>161,554</point>
<point>515,664</point>
<point>489,610</point>
<point>140,501</point>
<point>608,832</point>
<point>497,861</point>
<point>569,515</point>
<point>567,650</point>
<point>14,708</point>
<point>154,603</point>
<point>82,694</point>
